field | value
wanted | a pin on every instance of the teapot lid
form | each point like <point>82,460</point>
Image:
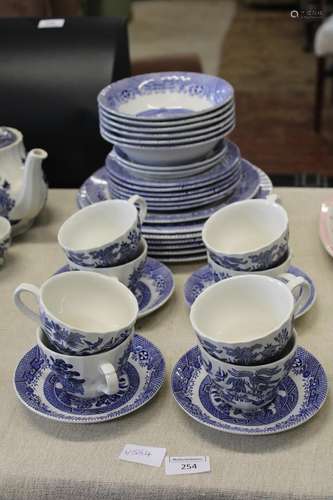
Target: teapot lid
<point>7,137</point>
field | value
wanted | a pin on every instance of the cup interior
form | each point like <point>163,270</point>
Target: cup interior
<point>97,225</point>
<point>89,302</point>
<point>245,226</point>
<point>242,309</point>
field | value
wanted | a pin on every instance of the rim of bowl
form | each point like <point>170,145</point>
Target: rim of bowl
<point>241,277</point>
<point>215,216</point>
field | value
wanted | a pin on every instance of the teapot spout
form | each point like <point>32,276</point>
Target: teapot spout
<point>32,196</point>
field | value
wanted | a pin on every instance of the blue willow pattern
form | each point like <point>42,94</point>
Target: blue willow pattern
<point>256,353</point>
<point>256,262</point>
<point>7,203</point>
<point>68,377</point>
<point>65,340</point>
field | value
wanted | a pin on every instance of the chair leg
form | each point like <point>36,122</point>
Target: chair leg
<point>319,93</point>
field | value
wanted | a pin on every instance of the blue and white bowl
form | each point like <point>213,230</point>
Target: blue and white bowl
<point>165,127</point>
<point>165,96</point>
<point>163,134</point>
<point>250,235</point>
<point>104,234</point>
<point>249,388</point>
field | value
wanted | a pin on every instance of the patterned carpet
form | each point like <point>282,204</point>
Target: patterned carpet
<point>263,58</point>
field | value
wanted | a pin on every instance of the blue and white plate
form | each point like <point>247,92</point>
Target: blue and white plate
<point>153,289</point>
<point>203,278</point>
<point>222,169</point>
<point>96,189</point>
<point>165,96</point>
<point>41,392</point>
<point>300,396</point>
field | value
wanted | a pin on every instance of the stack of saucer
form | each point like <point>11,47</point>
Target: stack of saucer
<point>168,131</point>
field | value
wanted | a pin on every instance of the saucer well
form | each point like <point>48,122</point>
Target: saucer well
<point>41,392</point>
<point>300,396</point>
<point>154,288</point>
<point>203,278</point>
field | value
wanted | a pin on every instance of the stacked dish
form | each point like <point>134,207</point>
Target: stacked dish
<point>169,133</point>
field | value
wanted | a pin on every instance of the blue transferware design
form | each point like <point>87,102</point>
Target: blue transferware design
<point>7,203</point>
<point>96,189</point>
<point>216,91</point>
<point>154,287</point>
<point>252,355</point>
<point>71,342</point>
<point>7,137</point>
<point>220,171</point>
<point>66,376</point>
<point>299,397</point>
<point>110,255</point>
<point>39,389</point>
<point>203,278</point>
<point>255,261</point>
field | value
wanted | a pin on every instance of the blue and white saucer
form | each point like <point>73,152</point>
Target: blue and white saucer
<point>300,396</point>
<point>154,288</point>
<point>40,391</point>
<point>203,278</point>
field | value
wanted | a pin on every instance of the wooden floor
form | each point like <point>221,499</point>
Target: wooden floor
<point>263,58</point>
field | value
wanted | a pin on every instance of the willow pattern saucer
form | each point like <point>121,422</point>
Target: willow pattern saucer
<point>154,288</point>
<point>42,393</point>
<point>203,278</point>
<point>300,396</point>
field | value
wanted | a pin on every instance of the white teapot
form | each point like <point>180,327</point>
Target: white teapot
<point>23,190</point>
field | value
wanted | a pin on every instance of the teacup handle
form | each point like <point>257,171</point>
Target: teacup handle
<point>111,379</point>
<point>273,198</point>
<point>293,283</point>
<point>34,290</point>
<point>142,206</point>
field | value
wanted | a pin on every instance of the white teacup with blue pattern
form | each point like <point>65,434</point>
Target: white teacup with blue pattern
<point>82,312</point>
<point>104,234</point>
<point>86,376</point>
<point>249,388</point>
<point>250,235</point>
<point>128,273</point>
<point>221,273</point>
<point>248,319</point>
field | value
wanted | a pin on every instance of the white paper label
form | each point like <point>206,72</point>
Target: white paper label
<point>51,23</point>
<point>148,455</point>
<point>186,465</point>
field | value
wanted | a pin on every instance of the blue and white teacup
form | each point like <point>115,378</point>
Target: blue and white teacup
<point>128,274</point>
<point>86,376</point>
<point>248,319</point>
<point>5,237</point>
<point>250,388</point>
<point>104,234</point>
<point>250,235</point>
<point>221,273</point>
<point>82,313</point>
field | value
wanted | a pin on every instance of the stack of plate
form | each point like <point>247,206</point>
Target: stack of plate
<point>169,133</point>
